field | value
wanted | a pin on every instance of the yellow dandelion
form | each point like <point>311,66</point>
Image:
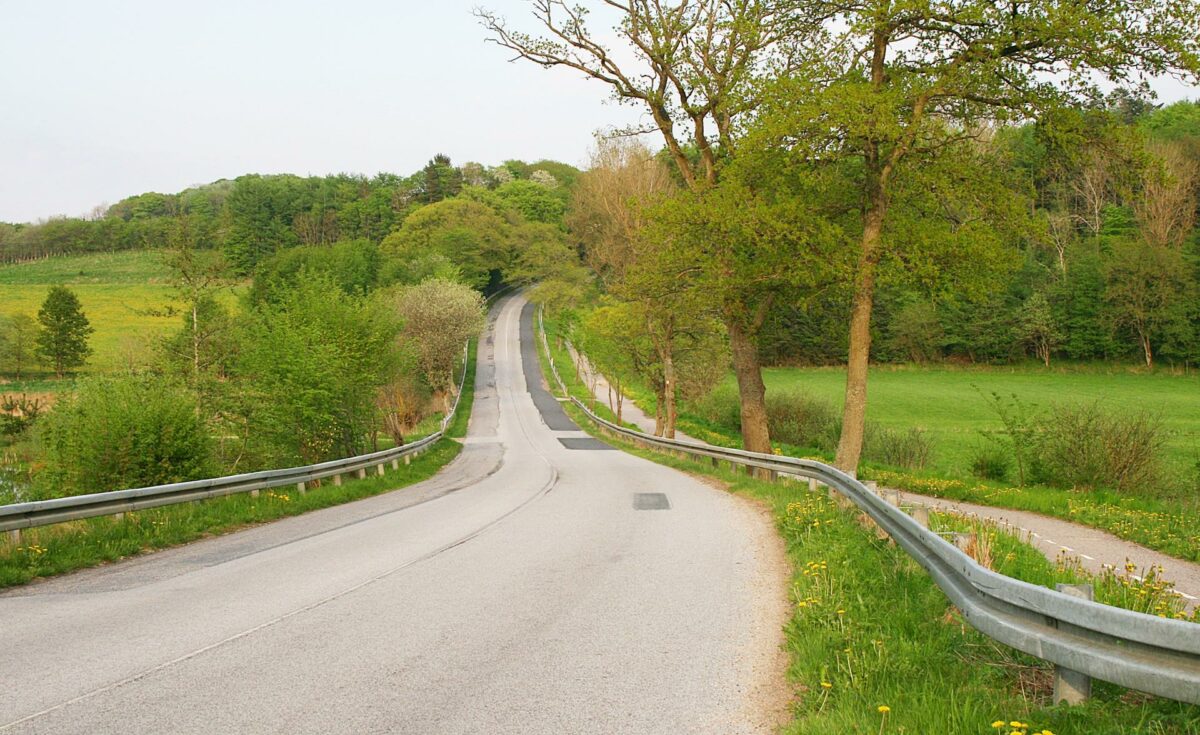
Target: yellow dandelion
<point>884,708</point>
<point>826,685</point>
<point>998,724</point>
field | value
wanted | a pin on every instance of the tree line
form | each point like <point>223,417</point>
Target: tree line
<point>253,216</point>
<point>844,180</point>
<point>332,350</point>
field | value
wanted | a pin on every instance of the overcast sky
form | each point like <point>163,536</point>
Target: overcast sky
<point>102,100</point>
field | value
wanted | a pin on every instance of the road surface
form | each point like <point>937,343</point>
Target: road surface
<point>530,587</point>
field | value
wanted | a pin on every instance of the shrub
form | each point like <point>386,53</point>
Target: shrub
<point>991,462</point>
<point>803,421</point>
<point>909,448</point>
<point>1083,446</point>
<point>122,432</point>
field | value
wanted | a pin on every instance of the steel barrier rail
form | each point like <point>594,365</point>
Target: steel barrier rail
<point>1139,651</point>
<point>36,513</point>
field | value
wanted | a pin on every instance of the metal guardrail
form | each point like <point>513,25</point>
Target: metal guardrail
<point>1144,652</point>
<point>19,516</point>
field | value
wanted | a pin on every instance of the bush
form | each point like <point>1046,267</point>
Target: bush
<point>990,462</point>
<point>909,448</point>
<point>1083,446</point>
<point>122,432</point>
<point>803,421</point>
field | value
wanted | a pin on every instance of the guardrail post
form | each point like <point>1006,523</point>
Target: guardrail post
<point>379,470</point>
<point>812,484</point>
<point>301,487</point>
<point>1070,686</point>
<point>337,480</point>
<point>872,486</point>
<point>920,514</point>
<point>892,496</point>
<point>407,459</point>
<point>254,493</point>
<point>395,463</point>
<point>964,541</point>
<point>362,473</point>
<point>14,536</point>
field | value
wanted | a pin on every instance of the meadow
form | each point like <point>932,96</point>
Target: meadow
<point>952,405</point>
<point>126,296</point>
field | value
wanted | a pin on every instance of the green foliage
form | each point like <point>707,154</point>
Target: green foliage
<point>353,265</point>
<point>439,317</point>
<point>312,362</point>
<point>64,330</point>
<point>468,234</point>
<point>18,344</point>
<point>121,432</point>
<point>535,202</point>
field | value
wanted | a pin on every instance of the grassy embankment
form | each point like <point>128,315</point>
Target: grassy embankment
<point>870,631</point>
<point>949,405</point>
<point>50,550</point>
<point>126,296</point>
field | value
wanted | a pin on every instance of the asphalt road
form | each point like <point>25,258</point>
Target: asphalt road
<point>521,590</point>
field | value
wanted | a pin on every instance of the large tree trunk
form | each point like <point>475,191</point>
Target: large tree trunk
<point>756,436</point>
<point>659,417</point>
<point>854,412</point>
<point>1147,351</point>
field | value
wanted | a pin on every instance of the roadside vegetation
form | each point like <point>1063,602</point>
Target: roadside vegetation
<point>270,334</point>
<point>875,646</point>
<point>65,547</point>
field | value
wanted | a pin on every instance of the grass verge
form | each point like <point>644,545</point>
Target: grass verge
<point>50,550</point>
<point>875,647</point>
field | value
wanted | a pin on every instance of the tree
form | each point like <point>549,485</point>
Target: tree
<point>1166,209</point>
<point>470,234</point>
<point>1149,290</point>
<point>19,344</point>
<point>608,205</point>
<point>895,86</point>
<point>1036,327</point>
<point>692,68</point>
<point>535,202</point>
<point>311,365</point>
<point>197,276</point>
<point>439,180</point>
<point>439,316</point>
<point>63,338</point>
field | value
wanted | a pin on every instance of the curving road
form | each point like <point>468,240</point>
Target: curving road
<point>541,583</point>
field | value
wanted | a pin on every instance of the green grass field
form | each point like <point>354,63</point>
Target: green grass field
<point>948,405</point>
<point>126,296</point>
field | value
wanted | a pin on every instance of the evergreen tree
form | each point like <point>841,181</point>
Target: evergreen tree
<point>63,339</point>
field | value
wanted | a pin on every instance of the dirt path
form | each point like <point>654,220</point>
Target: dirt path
<point>607,395</point>
<point>1094,549</point>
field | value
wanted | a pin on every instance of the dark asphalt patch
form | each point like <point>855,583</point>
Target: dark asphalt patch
<point>552,412</point>
<point>582,442</point>
<point>651,501</point>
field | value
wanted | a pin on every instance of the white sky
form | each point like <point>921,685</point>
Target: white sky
<point>103,100</point>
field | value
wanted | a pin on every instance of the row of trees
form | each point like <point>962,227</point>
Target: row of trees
<point>827,152</point>
<point>253,216</point>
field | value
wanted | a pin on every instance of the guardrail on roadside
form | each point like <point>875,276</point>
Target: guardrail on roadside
<point>1144,652</point>
<point>18,516</point>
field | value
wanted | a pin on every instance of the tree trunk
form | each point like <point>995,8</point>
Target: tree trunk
<point>1146,349</point>
<point>854,412</point>
<point>195,343</point>
<point>616,385</point>
<point>756,435</point>
<point>669,394</point>
<point>659,419</point>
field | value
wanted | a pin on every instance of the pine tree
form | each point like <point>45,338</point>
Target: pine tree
<point>63,339</point>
